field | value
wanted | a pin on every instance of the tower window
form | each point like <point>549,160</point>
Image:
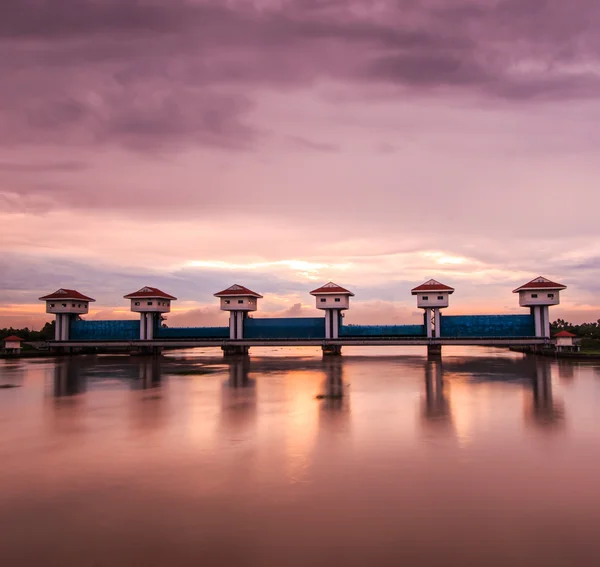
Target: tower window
<point>137,302</point>
<point>52,305</point>
<point>72,305</point>
<point>149,302</point>
<point>227,302</point>
<point>441,297</point>
<point>534,296</point>
<point>64,304</point>
<point>337,299</point>
<point>323,299</point>
<point>425,298</point>
<point>550,296</point>
<point>240,301</point>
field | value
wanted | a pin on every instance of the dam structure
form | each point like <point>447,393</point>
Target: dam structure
<point>150,334</point>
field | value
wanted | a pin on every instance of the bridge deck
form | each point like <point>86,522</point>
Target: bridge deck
<point>399,341</point>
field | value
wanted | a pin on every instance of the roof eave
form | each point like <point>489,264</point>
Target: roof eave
<point>46,298</point>
<point>348,293</point>
<point>257,295</point>
<point>417,291</point>
<point>155,296</point>
<point>545,288</point>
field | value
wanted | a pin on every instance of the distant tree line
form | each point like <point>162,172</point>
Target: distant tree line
<point>584,331</point>
<point>45,334</point>
<point>589,333</point>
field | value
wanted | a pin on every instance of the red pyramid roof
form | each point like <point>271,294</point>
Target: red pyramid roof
<point>331,288</point>
<point>237,290</point>
<point>541,283</point>
<point>565,334</point>
<point>150,293</point>
<point>432,286</point>
<point>64,293</point>
<point>12,338</point>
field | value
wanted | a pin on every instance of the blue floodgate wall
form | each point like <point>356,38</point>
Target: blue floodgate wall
<point>191,333</point>
<point>287,328</point>
<point>382,331</point>
<point>104,330</point>
<point>487,326</point>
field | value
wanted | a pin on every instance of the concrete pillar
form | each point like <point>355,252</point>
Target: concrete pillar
<point>545,321</point>
<point>428,329</point>
<point>434,351</point>
<point>331,350</point>
<point>436,316</point>
<point>235,350</point>
<point>232,320</point>
<point>240,325</point>
<point>64,332</point>
<point>335,324</point>
<point>327,323</point>
<point>57,328</point>
<point>149,326</point>
<point>537,318</point>
<point>142,326</point>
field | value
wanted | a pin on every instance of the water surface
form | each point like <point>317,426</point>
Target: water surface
<point>483,458</point>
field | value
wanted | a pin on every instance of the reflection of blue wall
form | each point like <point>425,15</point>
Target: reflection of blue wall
<point>291,328</point>
<point>487,326</point>
<point>192,333</point>
<point>382,331</point>
<point>104,330</point>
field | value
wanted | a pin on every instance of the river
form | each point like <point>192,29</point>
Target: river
<point>378,457</point>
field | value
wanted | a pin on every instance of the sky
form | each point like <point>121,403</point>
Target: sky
<point>280,144</point>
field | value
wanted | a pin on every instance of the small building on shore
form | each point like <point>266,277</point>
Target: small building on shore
<point>12,344</point>
<point>565,341</point>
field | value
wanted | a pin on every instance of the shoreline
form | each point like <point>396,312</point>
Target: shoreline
<point>557,354</point>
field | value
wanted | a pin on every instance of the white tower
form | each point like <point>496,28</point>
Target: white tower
<point>432,296</point>
<point>333,299</point>
<point>65,304</point>
<point>149,302</point>
<point>538,295</point>
<point>239,301</point>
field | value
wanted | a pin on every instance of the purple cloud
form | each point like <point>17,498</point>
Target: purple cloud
<point>148,74</point>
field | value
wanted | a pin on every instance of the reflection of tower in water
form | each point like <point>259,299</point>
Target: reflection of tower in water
<point>543,410</point>
<point>65,410</point>
<point>238,394</point>
<point>148,372</point>
<point>436,408</point>
<point>334,405</point>
<point>565,370</point>
<point>148,410</point>
<point>334,414</point>
<point>68,377</point>
<point>333,387</point>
